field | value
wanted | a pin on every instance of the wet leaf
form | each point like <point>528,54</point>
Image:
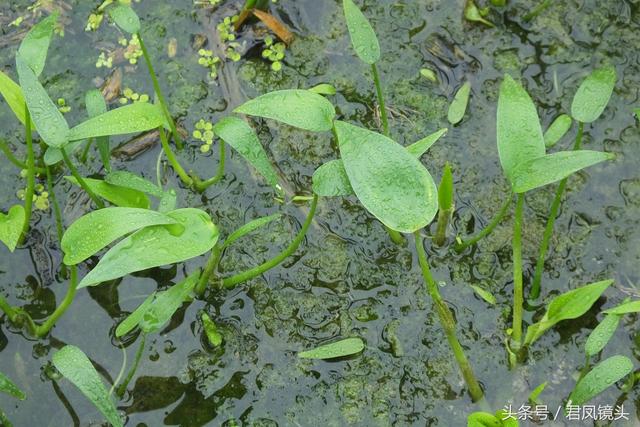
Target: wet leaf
<point>417,149</point>
<point>323,89</point>
<point>485,295</point>
<point>53,155</point>
<point>132,320</point>
<point>363,37</point>
<point>345,347</point>
<point>391,183</point>
<point>96,105</point>
<point>134,182</point>
<point>331,180</point>
<point>168,201</point>
<point>75,366</point>
<point>46,117</point>
<point>156,246</point>
<point>13,95</point>
<point>211,330</point>
<point>242,138</point>
<point>554,167</point>
<point>98,229</point>
<point>7,386</point>
<point>569,305</point>
<point>249,228</point>
<point>166,303</point>
<point>35,45</point>
<point>298,108</point>
<point>601,377</point>
<point>593,94</point>
<point>132,118</point>
<point>628,307</point>
<point>445,190</point>
<point>601,334</point>
<point>119,196</point>
<point>519,133</point>
<point>125,18</point>
<point>557,130</point>
<point>458,107</point>
<point>11,226</point>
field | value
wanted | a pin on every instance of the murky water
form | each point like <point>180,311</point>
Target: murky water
<point>348,278</point>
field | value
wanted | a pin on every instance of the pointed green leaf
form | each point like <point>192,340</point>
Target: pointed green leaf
<point>601,377</point>
<point>13,95</point>
<point>458,107</point>
<point>75,366</point>
<point>132,118</point>
<point>249,228</point>
<point>342,348</point>
<point>242,138</point>
<point>132,320</point>
<point>166,303</point>
<point>7,386</point>
<point>485,295</point>
<point>392,184</point>
<point>53,155</point>
<point>46,117</point>
<point>519,133</point>
<point>628,307</point>
<point>417,149</point>
<point>331,180</point>
<point>593,94</point>
<point>569,305</point>
<point>554,167</point>
<point>134,182</point>
<point>363,37</point>
<point>96,105</point>
<point>11,226</point>
<point>323,89</point>
<point>445,190</point>
<point>298,108</point>
<point>157,246</point>
<point>533,396</point>
<point>125,18</point>
<point>557,130</point>
<point>35,45</point>
<point>119,196</point>
<point>98,229</point>
<point>601,334</point>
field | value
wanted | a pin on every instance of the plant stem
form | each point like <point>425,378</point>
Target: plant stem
<point>4,147</point>
<point>31,178</point>
<point>203,185</point>
<point>383,108</point>
<point>447,322</point>
<point>7,309</point>
<point>81,181</point>
<point>518,295</point>
<point>56,211</point>
<point>123,387</point>
<point>209,268</point>
<point>184,176</point>
<point>158,91</point>
<point>459,247</point>
<point>231,282</point>
<point>551,220</point>
<point>4,421</point>
<point>444,216</point>
<point>44,329</point>
<point>85,152</point>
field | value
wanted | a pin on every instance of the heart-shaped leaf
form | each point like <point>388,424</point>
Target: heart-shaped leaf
<point>96,105</point>
<point>11,226</point>
<point>601,377</point>
<point>119,196</point>
<point>13,95</point>
<point>593,94</point>
<point>342,348</point>
<point>35,45</point>
<point>601,334</point>
<point>125,18</point>
<point>557,130</point>
<point>7,386</point>
<point>458,107</point>
<point>363,37</point>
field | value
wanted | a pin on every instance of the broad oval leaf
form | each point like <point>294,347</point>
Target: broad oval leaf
<point>98,229</point>
<point>391,183</point>
<point>553,167</point>
<point>342,348</point>
<point>249,227</point>
<point>48,120</point>
<point>298,108</point>
<point>166,303</point>
<point>601,334</point>
<point>35,45</point>
<point>11,226</point>
<point>168,201</point>
<point>96,105</point>
<point>458,107</point>
<point>242,138</point>
<point>518,130</point>
<point>134,182</point>
<point>557,130</point>
<point>601,377</point>
<point>119,196</point>
<point>593,94</point>
<point>363,37</point>
<point>132,320</point>
<point>75,366</point>
<point>13,95</point>
<point>156,246</point>
<point>125,18</point>
<point>418,148</point>
<point>331,180</point>
<point>628,307</point>
<point>7,386</point>
<point>132,118</point>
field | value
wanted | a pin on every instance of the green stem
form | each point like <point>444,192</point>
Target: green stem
<point>7,309</point>
<point>203,185</point>
<point>209,268</point>
<point>444,216</point>
<point>44,329</point>
<point>551,220</point>
<point>56,206</point>
<point>158,91</point>
<point>231,282</point>
<point>81,181</point>
<point>383,108</point>
<point>461,246</point>
<point>447,322</point>
<point>184,176</point>
<point>537,10</point>
<point>518,295</point>
<point>123,387</point>
<point>31,178</point>
<point>4,147</point>
<point>85,152</point>
<point>4,421</point>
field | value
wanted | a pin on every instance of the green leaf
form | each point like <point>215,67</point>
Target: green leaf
<point>166,303</point>
<point>363,37</point>
<point>35,45</point>
<point>53,155</point>
<point>458,107</point>
<point>96,105</point>
<point>445,189</point>
<point>569,305</point>
<point>601,334</point>
<point>483,419</point>
<point>156,246</point>
<point>298,108</point>
<point>593,94</point>
<point>11,226</point>
<point>417,149</point>
<point>557,130</point>
<point>472,14</point>
<point>98,229</point>
<point>602,376</point>
<point>533,396</point>
<point>519,133</point>
<point>13,95</point>
<point>125,18</point>
<point>323,89</point>
<point>168,201</point>
<point>46,117</point>
<point>75,366</point>
<point>485,295</point>
<point>249,228</point>
<point>392,184</point>
<point>132,118</point>
<point>331,180</point>
<point>132,320</point>
<point>134,182</point>
<point>242,138</point>
<point>553,167</point>
<point>628,307</point>
<point>211,330</point>
<point>342,348</point>
<point>7,386</point>
<point>119,196</point>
